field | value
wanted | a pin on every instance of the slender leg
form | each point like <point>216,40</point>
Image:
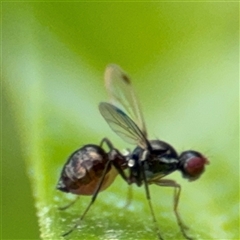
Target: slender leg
<point>177,192</point>
<point>92,200</point>
<point>108,142</point>
<point>119,169</point>
<point>70,204</point>
<point>129,197</point>
<point>150,203</point>
<point>114,153</point>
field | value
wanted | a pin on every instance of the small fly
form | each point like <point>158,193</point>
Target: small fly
<point>90,169</point>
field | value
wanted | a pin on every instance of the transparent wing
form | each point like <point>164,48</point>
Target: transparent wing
<point>122,125</point>
<point>122,94</point>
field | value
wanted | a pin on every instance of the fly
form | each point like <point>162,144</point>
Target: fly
<point>149,163</point>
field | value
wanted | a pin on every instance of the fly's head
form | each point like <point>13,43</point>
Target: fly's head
<point>192,164</point>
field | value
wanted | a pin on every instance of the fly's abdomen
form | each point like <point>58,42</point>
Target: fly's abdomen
<point>84,169</point>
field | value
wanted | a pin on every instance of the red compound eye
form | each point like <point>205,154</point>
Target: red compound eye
<point>192,164</point>
<point>195,165</point>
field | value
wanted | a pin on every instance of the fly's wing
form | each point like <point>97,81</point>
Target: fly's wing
<point>122,94</point>
<point>122,125</point>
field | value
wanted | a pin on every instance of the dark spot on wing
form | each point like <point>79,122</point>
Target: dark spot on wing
<point>125,78</point>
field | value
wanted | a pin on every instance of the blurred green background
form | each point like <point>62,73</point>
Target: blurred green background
<point>183,58</point>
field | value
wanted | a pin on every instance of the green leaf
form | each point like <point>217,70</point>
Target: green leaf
<point>183,59</point>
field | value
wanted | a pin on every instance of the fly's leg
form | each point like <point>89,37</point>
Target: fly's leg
<point>129,197</point>
<point>127,154</point>
<point>177,192</point>
<point>121,163</point>
<point>70,204</point>
<point>92,200</point>
<point>107,142</point>
<point>115,153</point>
<point>150,203</point>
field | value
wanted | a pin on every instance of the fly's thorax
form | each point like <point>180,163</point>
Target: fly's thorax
<point>162,149</point>
<point>163,160</point>
<point>83,170</point>
<point>160,160</point>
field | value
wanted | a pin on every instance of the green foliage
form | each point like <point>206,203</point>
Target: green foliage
<point>183,59</point>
